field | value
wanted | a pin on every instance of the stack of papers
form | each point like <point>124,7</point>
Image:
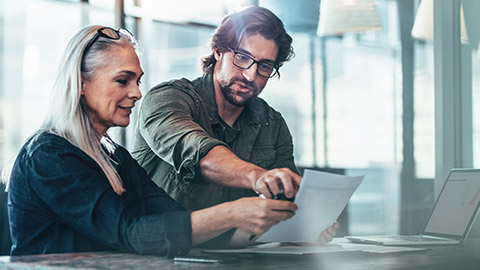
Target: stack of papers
<point>337,245</point>
<point>282,248</point>
<point>347,245</point>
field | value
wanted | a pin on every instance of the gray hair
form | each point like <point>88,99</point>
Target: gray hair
<point>68,117</point>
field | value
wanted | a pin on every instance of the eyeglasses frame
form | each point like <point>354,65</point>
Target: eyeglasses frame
<point>275,66</point>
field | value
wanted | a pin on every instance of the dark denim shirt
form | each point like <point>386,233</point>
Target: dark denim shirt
<point>179,124</point>
<point>59,200</point>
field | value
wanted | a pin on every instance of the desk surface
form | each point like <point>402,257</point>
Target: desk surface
<point>465,256</point>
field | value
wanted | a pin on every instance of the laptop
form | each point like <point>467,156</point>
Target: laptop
<point>451,218</point>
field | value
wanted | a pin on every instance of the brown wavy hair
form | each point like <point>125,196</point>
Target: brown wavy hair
<point>240,24</point>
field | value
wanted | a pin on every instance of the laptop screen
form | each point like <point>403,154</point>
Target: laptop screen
<point>456,207</point>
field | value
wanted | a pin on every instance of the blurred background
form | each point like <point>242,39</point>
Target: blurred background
<point>388,89</point>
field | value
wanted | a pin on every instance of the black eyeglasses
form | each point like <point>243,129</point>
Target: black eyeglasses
<point>106,32</point>
<point>265,68</point>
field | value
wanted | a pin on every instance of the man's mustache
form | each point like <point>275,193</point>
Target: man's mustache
<point>250,84</point>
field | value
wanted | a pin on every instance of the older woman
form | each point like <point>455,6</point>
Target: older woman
<point>73,189</point>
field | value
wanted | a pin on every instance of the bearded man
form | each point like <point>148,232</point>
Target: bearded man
<point>213,140</point>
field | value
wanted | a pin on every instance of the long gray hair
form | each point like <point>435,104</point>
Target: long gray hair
<point>68,116</point>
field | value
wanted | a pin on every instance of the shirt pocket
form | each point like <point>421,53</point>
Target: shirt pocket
<point>263,156</point>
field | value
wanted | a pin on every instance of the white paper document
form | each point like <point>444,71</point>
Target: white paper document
<point>320,199</point>
<point>285,249</point>
<point>347,245</point>
<point>337,245</point>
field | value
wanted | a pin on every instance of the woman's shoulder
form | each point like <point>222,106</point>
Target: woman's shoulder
<point>46,142</point>
<point>45,146</point>
<point>47,153</point>
<point>42,154</point>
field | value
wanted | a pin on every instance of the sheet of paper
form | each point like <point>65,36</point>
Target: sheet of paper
<point>337,245</point>
<point>374,248</point>
<point>320,199</point>
<point>285,249</point>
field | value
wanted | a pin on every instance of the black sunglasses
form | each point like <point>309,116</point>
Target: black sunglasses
<point>106,32</point>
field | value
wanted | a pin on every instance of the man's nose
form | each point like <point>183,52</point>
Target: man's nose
<point>250,73</point>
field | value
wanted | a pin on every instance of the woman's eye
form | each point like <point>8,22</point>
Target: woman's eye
<point>139,82</point>
<point>122,82</point>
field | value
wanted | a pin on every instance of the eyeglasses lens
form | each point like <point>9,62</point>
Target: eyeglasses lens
<point>110,33</point>
<point>263,69</point>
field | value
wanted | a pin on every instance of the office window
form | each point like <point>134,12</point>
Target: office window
<point>33,42</point>
<point>476,106</point>
<point>471,8</point>
<point>341,96</point>
<point>342,99</point>
<point>424,105</point>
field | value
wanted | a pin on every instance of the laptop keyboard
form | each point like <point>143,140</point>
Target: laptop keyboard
<point>413,238</point>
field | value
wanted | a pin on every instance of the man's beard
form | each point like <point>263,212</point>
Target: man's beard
<point>232,98</point>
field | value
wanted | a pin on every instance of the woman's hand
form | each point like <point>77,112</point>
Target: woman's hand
<point>252,215</point>
<point>256,215</point>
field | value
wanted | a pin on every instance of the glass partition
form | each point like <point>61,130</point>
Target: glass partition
<point>341,96</point>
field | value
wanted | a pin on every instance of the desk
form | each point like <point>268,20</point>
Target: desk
<point>453,257</point>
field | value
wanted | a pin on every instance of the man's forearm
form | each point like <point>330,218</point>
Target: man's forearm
<point>223,167</point>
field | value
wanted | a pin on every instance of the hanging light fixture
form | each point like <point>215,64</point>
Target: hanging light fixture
<point>341,16</point>
<point>423,25</point>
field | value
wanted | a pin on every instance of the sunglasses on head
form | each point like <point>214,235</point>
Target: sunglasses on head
<point>106,32</point>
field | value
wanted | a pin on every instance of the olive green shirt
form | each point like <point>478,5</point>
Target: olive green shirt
<point>179,124</point>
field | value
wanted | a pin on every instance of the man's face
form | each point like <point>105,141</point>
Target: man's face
<point>238,86</point>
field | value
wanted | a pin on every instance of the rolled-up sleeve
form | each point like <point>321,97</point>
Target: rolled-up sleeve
<point>167,124</point>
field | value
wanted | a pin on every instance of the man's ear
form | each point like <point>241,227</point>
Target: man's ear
<point>216,54</point>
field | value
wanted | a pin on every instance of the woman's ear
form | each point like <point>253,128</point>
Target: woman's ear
<point>82,92</point>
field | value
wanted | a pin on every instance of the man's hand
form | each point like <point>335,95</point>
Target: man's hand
<point>255,215</point>
<point>327,234</point>
<point>269,183</point>
<point>221,166</point>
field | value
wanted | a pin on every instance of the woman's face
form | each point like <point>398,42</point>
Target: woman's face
<point>111,94</point>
